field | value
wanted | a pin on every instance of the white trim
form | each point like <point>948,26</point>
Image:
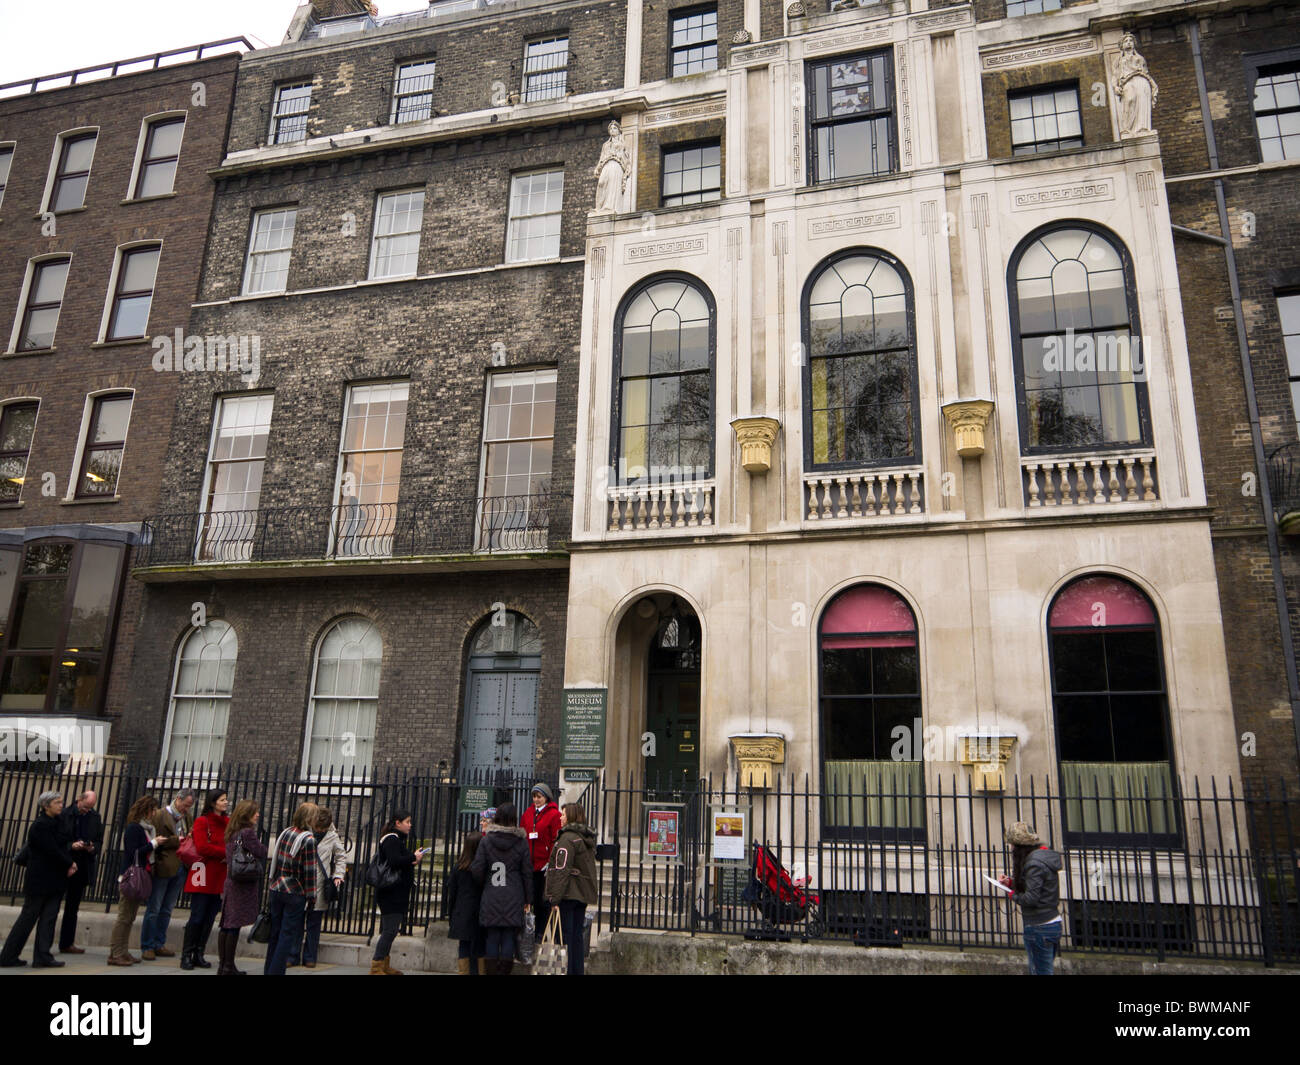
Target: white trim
<point>380,197</point>
<point>248,252</point>
<point>171,698</point>
<point>59,141</point>
<point>350,388</point>
<point>145,123</point>
<point>13,154</point>
<point>25,292</point>
<point>87,409</point>
<point>10,401</point>
<point>221,397</point>
<point>102,336</point>
<point>311,697</point>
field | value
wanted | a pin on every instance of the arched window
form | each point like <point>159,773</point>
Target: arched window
<point>860,388</point>
<point>1079,357</point>
<point>871,715</point>
<point>344,699</point>
<point>663,401</point>
<point>202,684</point>
<point>1112,725</point>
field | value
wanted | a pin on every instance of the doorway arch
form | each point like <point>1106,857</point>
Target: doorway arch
<point>502,676</point>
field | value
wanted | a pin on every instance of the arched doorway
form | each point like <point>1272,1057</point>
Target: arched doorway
<point>672,718</point>
<point>501,684</point>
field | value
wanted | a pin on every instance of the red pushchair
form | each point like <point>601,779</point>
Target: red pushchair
<point>779,897</point>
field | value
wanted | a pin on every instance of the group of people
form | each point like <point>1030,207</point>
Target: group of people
<point>218,858</point>
<point>508,869</point>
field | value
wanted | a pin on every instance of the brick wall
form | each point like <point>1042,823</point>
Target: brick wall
<point>654,141</point>
<point>1085,73</point>
<point>656,35</point>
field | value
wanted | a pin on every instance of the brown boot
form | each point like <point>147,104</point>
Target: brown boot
<point>462,967</point>
<point>377,968</point>
<point>484,967</point>
<point>389,970</point>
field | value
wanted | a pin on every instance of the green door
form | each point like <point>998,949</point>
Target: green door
<point>673,717</point>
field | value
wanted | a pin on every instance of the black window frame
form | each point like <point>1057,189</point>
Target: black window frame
<point>806,372</point>
<point>147,160</point>
<point>813,123</point>
<point>120,293</point>
<point>7,151</point>
<point>278,117</point>
<point>868,832</point>
<point>5,411</point>
<point>1293,378</point>
<point>30,305</point>
<point>1258,64</point>
<point>61,174</point>
<point>686,146</point>
<point>616,414</point>
<point>1034,147</point>
<point>1076,837</point>
<point>1017,343</point>
<point>60,650</point>
<point>686,13</point>
<point>89,447</point>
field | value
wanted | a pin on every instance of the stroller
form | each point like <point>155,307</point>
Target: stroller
<point>780,898</point>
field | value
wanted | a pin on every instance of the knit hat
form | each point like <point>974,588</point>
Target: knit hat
<point>489,814</point>
<point>1021,834</point>
<point>544,791</point>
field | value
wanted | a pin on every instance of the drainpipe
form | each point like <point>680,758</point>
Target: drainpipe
<point>1252,405</point>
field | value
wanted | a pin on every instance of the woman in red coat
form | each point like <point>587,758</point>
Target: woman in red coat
<point>206,878</point>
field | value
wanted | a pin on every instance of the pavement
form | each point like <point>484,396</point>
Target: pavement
<point>95,963</point>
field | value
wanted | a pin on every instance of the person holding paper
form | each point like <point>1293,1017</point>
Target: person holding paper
<point>1035,888</point>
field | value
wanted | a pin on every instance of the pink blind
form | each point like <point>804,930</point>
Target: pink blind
<point>1100,602</point>
<point>868,616</point>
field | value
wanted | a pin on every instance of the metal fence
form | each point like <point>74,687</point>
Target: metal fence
<point>359,805</point>
<point>891,867</point>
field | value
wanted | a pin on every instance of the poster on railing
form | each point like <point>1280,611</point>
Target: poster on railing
<point>728,831</point>
<point>663,833</point>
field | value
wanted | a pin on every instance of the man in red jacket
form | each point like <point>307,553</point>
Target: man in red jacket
<point>542,823</point>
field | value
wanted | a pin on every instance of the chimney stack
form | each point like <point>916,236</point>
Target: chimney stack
<point>332,8</point>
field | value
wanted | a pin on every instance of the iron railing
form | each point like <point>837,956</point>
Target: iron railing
<point>491,525</point>
<point>191,54</point>
<point>359,804</point>
<point>1284,480</point>
<point>1226,888</point>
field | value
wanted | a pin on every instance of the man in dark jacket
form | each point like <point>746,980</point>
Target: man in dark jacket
<point>1036,890</point>
<point>49,866</point>
<point>82,824</point>
<point>542,823</point>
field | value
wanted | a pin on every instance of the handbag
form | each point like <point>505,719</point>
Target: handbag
<point>552,958</point>
<point>526,941</point>
<point>20,859</point>
<point>261,930</point>
<point>188,852</point>
<point>331,890</point>
<point>379,874</point>
<point>136,884</point>
<point>245,867</point>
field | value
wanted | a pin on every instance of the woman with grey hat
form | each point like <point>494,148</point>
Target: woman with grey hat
<point>1035,888</point>
<point>542,823</point>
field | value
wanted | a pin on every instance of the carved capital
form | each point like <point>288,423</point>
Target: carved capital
<point>756,755</point>
<point>756,436</point>
<point>969,418</point>
<point>796,10</point>
<point>987,755</point>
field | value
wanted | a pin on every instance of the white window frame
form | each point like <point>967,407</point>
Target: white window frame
<point>266,212</point>
<point>12,148</point>
<point>524,94</point>
<point>336,534</point>
<point>399,96</point>
<point>146,124</point>
<point>388,196</point>
<point>9,402</point>
<point>513,219</point>
<point>118,258</point>
<point>204,513</point>
<point>28,278</point>
<point>484,529</point>
<point>59,141</point>
<point>83,437</point>
<point>165,756</point>
<point>273,134</point>
<point>312,695</point>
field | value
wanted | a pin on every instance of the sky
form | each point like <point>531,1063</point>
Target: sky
<point>49,36</point>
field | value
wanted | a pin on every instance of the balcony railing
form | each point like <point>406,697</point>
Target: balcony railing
<point>863,494</point>
<point>191,54</point>
<point>1284,487</point>
<point>1091,480</point>
<point>637,508</point>
<point>420,527</point>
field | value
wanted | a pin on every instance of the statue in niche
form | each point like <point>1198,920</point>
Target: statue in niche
<point>612,171</point>
<point>1135,88</point>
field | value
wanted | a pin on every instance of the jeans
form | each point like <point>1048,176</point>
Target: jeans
<point>287,917</point>
<point>572,919</point>
<point>153,933</point>
<point>40,912</point>
<point>203,913</point>
<point>389,925</point>
<point>310,937</point>
<point>499,943</point>
<point>1042,944</point>
<point>71,903</point>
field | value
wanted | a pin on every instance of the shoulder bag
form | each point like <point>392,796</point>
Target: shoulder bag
<point>330,892</point>
<point>379,874</point>
<point>245,867</point>
<point>552,958</point>
<point>136,884</point>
